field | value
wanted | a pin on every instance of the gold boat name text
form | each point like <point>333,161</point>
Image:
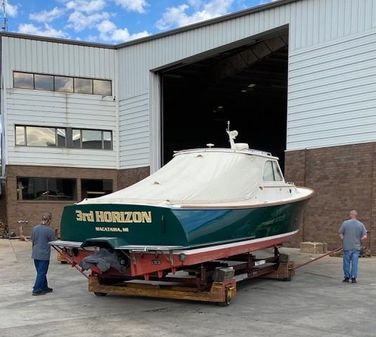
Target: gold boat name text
<point>114,217</point>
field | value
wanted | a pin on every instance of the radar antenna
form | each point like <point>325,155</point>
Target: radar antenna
<point>5,18</point>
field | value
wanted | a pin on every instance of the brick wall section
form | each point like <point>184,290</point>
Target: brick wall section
<point>2,205</point>
<point>32,210</point>
<point>3,215</point>
<point>129,177</point>
<point>343,178</point>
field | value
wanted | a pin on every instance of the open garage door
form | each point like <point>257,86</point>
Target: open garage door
<point>246,85</point>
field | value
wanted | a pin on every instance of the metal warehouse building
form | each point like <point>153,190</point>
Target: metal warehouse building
<point>294,77</point>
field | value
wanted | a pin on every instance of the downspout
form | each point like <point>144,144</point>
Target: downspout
<point>117,117</point>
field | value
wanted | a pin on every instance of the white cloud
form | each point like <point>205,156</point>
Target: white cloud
<point>193,11</point>
<point>80,21</point>
<point>86,6</point>
<point>10,9</point>
<point>109,32</point>
<point>106,26</point>
<point>133,5</point>
<point>47,16</point>
<point>47,30</point>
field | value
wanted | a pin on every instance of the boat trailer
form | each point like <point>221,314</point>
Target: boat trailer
<point>199,279</point>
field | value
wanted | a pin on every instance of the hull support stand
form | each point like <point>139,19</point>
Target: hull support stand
<point>213,281</point>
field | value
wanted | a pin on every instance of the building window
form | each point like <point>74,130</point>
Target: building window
<point>51,189</point>
<point>83,86</point>
<point>62,83</point>
<point>76,138</point>
<point>107,140</point>
<point>92,139</point>
<point>40,136</point>
<point>102,87</point>
<point>61,137</point>
<point>27,135</point>
<point>92,188</point>
<point>37,136</point>
<point>20,135</point>
<point>23,80</point>
<point>43,82</point>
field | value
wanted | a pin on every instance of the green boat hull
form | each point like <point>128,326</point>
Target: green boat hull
<point>120,225</point>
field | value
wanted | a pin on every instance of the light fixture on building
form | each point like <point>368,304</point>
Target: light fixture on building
<point>219,108</point>
<point>251,85</point>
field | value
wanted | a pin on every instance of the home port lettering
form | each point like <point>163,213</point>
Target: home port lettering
<point>114,216</point>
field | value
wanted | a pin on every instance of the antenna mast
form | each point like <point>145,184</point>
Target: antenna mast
<point>5,19</point>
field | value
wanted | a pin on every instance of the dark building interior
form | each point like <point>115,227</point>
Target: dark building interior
<point>246,85</point>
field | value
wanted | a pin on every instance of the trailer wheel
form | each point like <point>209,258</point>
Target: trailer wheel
<point>96,293</point>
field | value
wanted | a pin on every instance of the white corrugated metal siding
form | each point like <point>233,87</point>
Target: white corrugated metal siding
<point>43,108</point>
<point>314,26</point>
<point>134,133</point>
<point>332,93</point>
<point>56,58</point>
<point>332,47</point>
<point>55,109</point>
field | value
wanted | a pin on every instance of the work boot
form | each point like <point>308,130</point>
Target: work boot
<point>38,293</point>
<point>346,279</point>
<point>353,280</point>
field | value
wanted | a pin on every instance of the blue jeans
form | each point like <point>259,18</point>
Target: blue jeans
<point>350,263</point>
<point>41,266</point>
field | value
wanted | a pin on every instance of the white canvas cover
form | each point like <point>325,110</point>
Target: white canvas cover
<point>195,177</point>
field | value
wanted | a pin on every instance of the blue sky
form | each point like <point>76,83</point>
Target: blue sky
<point>113,21</point>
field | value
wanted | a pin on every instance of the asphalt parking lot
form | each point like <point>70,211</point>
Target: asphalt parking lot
<point>314,303</point>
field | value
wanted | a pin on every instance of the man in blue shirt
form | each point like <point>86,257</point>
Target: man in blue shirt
<point>351,232</point>
<point>41,235</point>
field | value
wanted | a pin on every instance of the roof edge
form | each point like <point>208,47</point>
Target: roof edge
<point>175,31</point>
<point>57,40</point>
<point>231,16</point>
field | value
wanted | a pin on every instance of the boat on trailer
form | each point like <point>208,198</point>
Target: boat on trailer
<point>205,204</point>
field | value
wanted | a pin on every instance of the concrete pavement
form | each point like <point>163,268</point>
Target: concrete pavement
<point>314,303</point>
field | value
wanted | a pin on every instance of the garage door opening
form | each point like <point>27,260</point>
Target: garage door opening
<point>246,85</point>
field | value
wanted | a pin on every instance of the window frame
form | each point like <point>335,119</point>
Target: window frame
<point>103,80</point>
<point>83,78</point>
<point>38,74</point>
<point>47,179</point>
<point>84,180</point>
<point>24,135</point>
<point>23,72</point>
<point>70,77</point>
<point>42,127</point>
<point>69,143</point>
<point>74,78</point>
<point>102,139</point>
<point>275,167</point>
